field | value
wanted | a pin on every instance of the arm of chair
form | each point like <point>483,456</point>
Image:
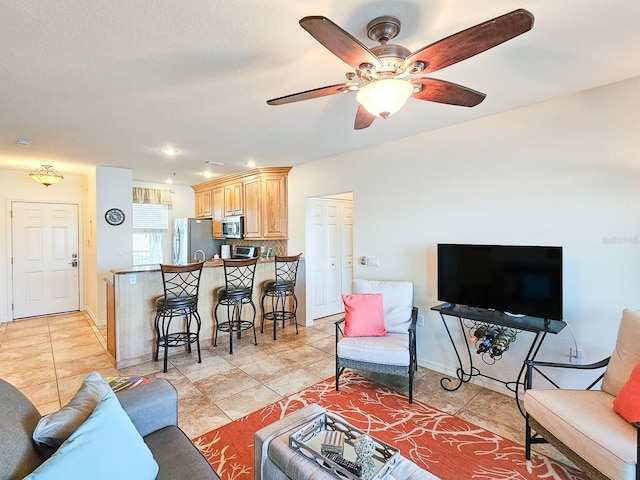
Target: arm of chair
<point>414,320</point>
<point>535,365</point>
<point>151,407</point>
<point>591,366</point>
<point>413,346</point>
<point>339,329</point>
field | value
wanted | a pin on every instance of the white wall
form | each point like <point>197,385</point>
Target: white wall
<point>104,247</point>
<point>563,172</point>
<point>18,186</point>
<point>183,205</point>
<point>90,248</point>
<point>114,245</point>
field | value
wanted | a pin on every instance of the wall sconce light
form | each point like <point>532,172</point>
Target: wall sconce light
<point>46,175</point>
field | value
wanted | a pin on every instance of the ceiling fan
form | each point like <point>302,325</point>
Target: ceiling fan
<point>386,75</point>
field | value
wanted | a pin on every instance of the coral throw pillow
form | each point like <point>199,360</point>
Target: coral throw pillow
<point>363,316</point>
<point>627,403</point>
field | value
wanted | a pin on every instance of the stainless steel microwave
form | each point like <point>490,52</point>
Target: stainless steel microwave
<point>233,226</point>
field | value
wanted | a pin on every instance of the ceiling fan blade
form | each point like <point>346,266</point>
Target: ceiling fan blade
<point>315,93</point>
<point>363,118</point>
<point>340,43</point>
<point>471,41</point>
<point>434,90</point>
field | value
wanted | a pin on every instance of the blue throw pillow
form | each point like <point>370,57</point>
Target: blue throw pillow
<point>106,446</point>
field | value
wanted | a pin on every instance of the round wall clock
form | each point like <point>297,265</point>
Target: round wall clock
<point>114,216</point>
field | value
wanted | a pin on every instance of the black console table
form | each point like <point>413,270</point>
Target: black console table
<point>539,326</point>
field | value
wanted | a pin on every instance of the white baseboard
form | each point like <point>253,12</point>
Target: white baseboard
<point>484,382</point>
<point>96,322</point>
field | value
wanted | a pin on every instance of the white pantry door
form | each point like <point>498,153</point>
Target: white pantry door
<point>45,258</point>
<point>329,255</point>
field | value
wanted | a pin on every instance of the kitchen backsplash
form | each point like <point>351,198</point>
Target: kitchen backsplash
<point>279,246</point>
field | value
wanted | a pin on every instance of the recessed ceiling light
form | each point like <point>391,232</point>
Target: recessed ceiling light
<point>169,151</point>
<point>169,181</point>
<point>251,164</point>
<point>208,174</point>
<point>23,142</point>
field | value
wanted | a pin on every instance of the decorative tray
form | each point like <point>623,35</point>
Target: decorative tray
<point>307,441</point>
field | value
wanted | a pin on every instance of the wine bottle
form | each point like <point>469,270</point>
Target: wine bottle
<point>488,341</point>
<point>480,332</point>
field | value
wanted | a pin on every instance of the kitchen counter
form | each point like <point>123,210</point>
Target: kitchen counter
<point>156,268</point>
<point>131,314</point>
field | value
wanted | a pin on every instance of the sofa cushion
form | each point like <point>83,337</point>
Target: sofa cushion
<point>18,419</point>
<point>107,437</point>
<point>390,350</point>
<point>55,428</point>
<point>397,301</point>
<point>626,354</point>
<point>177,457</point>
<point>585,422</point>
<point>363,316</point>
<point>627,403</point>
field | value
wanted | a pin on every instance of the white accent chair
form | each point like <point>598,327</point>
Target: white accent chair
<point>394,354</point>
<point>581,423</point>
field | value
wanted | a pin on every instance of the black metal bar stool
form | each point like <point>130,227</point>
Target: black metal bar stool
<point>279,291</point>
<point>181,284</point>
<point>237,292</point>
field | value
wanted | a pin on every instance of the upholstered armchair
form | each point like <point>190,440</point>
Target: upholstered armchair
<point>378,333</point>
<point>597,429</point>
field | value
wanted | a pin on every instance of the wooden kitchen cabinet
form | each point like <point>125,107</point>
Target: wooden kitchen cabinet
<point>274,206</point>
<point>252,210</point>
<point>217,211</point>
<point>259,194</point>
<point>203,204</point>
<point>233,199</point>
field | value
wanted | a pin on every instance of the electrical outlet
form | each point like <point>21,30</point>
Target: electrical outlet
<point>363,260</point>
<point>421,320</point>
<point>576,356</point>
<point>133,279</point>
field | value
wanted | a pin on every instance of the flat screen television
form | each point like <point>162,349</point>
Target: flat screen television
<point>519,280</point>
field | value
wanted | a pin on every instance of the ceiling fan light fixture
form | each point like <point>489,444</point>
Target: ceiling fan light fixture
<point>384,97</point>
<point>169,151</point>
<point>46,175</point>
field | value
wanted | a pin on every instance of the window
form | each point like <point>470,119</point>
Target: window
<point>150,233</point>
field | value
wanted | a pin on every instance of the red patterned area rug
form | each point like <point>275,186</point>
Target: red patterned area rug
<point>443,444</point>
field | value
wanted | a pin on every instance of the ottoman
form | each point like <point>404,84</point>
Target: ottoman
<point>275,460</point>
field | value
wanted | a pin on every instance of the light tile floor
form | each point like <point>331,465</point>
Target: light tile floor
<point>48,357</point>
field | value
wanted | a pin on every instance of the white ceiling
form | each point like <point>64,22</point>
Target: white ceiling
<point>110,82</point>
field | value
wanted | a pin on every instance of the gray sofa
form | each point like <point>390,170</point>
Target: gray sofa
<point>153,409</point>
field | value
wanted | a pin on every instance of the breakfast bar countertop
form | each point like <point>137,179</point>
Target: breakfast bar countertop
<point>156,267</point>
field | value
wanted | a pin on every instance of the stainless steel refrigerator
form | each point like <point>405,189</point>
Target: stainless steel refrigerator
<point>189,236</point>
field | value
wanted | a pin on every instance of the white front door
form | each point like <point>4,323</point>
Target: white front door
<point>45,258</point>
